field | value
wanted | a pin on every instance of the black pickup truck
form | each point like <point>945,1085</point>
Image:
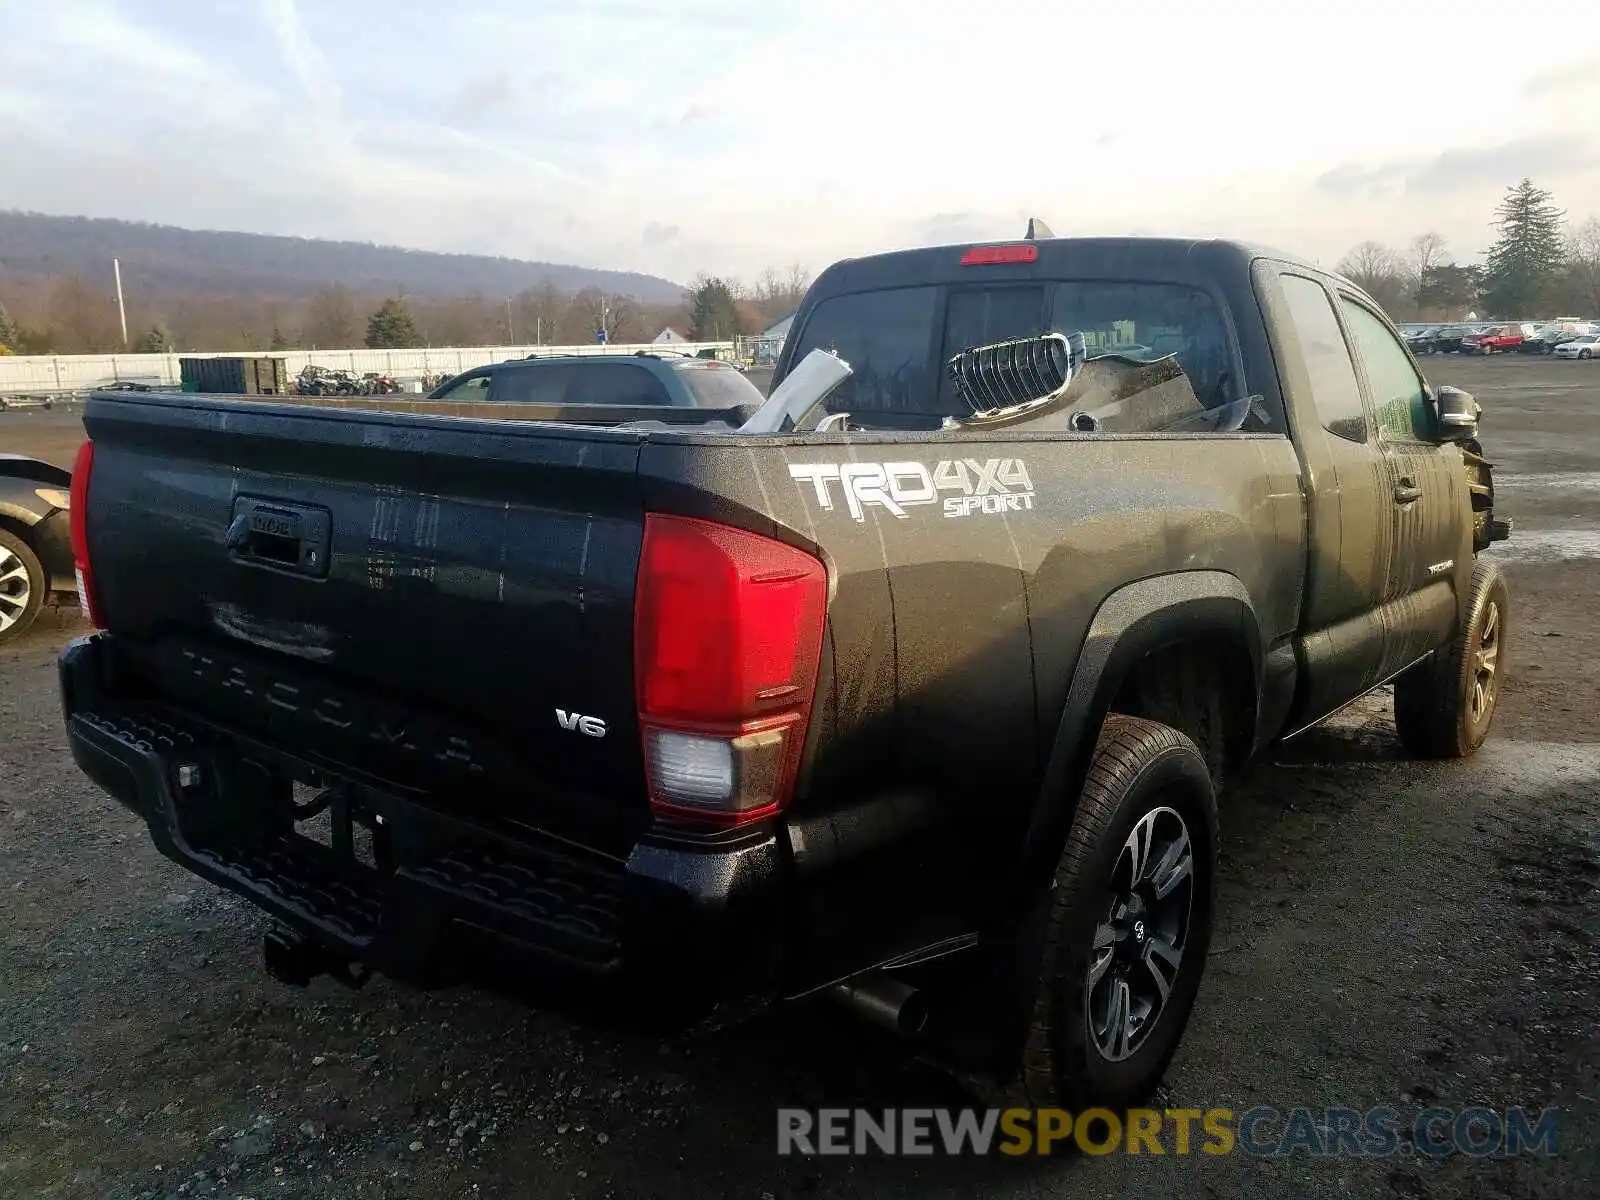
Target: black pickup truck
<point>913,690</point>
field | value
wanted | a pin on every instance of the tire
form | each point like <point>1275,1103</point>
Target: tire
<point>22,586</point>
<point>1584,354</point>
<point>1151,778</point>
<point>1444,706</point>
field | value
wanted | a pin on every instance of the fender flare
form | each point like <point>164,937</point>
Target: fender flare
<point>1131,623</point>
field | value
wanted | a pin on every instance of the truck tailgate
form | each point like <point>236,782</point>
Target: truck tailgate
<point>439,603</point>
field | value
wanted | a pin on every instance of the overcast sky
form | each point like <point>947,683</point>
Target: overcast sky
<point>681,135</point>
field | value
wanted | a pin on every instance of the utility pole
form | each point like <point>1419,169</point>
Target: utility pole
<point>116,269</point>
<point>511,330</point>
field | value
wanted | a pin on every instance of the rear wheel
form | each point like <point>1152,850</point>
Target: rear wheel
<point>1444,706</point>
<point>22,586</point>
<point>1129,923</point>
<point>1584,354</point>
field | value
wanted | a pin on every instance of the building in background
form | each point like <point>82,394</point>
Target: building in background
<point>668,337</point>
<point>763,349</point>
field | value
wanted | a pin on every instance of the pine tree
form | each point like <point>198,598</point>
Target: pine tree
<point>278,341</point>
<point>8,330</point>
<point>713,310</point>
<point>1524,263</point>
<point>391,327</point>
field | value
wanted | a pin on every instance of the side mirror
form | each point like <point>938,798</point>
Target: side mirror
<point>1458,414</point>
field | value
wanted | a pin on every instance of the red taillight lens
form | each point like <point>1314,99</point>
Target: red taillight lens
<point>727,638</point>
<point>82,469</point>
<point>988,256</point>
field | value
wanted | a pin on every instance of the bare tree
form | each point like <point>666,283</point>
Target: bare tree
<point>621,318</point>
<point>539,311</point>
<point>779,294</point>
<point>797,281</point>
<point>1375,269</point>
<point>768,287</point>
<point>1428,251</point>
<point>1425,256</point>
<point>331,320</point>
<point>83,317</point>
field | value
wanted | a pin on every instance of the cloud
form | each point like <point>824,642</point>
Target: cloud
<point>724,136</point>
<point>1462,168</point>
<point>951,228</point>
<point>1565,80</point>
<point>487,96</point>
<point>301,53</point>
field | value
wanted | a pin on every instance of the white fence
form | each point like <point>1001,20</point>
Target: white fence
<point>47,374</point>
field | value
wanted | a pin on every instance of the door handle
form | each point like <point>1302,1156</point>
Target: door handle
<point>1407,491</point>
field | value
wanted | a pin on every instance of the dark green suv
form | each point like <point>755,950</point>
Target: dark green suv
<point>605,379</point>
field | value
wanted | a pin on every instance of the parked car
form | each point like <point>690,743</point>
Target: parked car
<point>1444,340</point>
<point>643,378</point>
<point>1547,340</point>
<point>911,690</point>
<point>1497,339</point>
<point>1581,345</point>
<point>35,542</point>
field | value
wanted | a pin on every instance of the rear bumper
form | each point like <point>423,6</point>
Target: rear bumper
<point>674,935</point>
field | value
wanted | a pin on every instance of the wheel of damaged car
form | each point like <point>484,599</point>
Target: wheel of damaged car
<point>1444,706</point>
<point>1129,922</point>
<point>22,586</point>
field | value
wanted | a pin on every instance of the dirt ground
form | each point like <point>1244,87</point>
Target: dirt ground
<point>1391,933</point>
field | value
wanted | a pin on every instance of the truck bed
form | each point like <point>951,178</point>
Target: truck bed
<point>476,599</point>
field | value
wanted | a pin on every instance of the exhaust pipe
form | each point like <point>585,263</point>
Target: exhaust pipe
<point>885,1002</point>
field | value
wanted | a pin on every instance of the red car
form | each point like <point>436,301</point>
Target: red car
<point>1500,339</point>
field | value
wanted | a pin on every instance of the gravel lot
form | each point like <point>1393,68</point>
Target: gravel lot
<point>1391,933</point>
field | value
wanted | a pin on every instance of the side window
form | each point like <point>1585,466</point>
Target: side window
<point>469,390</point>
<point>540,384</point>
<point>614,383</point>
<point>1333,376</point>
<point>1399,399</point>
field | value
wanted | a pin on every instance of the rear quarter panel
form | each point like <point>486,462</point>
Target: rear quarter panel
<point>952,638</point>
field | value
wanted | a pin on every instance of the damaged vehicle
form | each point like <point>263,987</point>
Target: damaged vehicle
<point>912,688</point>
<point>35,541</point>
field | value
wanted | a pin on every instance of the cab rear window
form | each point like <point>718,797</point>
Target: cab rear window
<point>896,340</point>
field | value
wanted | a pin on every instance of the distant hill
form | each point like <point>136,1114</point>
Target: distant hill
<point>166,260</point>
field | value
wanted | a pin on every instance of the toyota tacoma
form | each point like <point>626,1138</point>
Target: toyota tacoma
<point>912,688</point>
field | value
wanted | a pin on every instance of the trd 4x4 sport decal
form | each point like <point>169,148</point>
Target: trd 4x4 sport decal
<point>965,486</point>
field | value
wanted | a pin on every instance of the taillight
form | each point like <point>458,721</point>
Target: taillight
<point>727,637</point>
<point>988,256</point>
<point>82,469</point>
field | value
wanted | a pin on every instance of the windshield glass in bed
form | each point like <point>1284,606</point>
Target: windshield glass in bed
<point>897,339</point>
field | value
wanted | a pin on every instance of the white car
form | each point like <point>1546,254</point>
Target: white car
<point>1585,345</point>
